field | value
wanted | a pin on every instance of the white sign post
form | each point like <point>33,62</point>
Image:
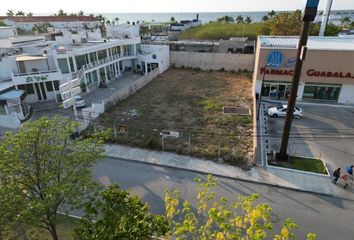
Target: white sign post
<point>68,91</point>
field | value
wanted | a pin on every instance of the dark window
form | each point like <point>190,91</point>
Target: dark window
<point>49,86</point>
<point>71,64</point>
<point>63,65</point>
<point>80,61</point>
<point>28,88</point>
<point>56,85</point>
<point>102,54</point>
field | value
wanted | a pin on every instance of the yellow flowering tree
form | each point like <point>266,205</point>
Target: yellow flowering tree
<point>218,218</point>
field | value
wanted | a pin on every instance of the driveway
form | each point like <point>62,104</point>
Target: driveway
<point>325,132</point>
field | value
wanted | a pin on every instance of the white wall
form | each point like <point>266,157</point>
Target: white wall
<point>346,95</point>
<point>7,65</point>
<point>122,30</point>
<point>162,56</point>
<point>10,121</point>
<point>213,61</point>
<point>7,32</point>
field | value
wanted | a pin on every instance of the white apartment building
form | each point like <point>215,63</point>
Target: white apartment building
<point>58,22</point>
<point>32,69</point>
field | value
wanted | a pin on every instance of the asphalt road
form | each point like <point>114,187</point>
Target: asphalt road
<point>324,131</point>
<point>331,218</point>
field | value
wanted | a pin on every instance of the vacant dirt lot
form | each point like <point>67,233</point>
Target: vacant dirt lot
<point>189,102</point>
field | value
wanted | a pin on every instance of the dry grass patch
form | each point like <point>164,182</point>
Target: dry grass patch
<point>190,102</point>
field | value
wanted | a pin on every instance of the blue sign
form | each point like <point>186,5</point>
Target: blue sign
<point>275,59</point>
<point>311,3</point>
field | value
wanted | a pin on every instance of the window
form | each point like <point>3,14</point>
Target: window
<point>322,92</point>
<point>102,54</point>
<point>28,88</point>
<point>154,56</point>
<point>71,64</point>
<point>80,61</point>
<point>56,85</point>
<point>49,86</point>
<point>63,65</point>
<point>2,110</point>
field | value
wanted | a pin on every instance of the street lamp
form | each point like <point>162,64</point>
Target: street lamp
<point>260,93</point>
<point>309,14</point>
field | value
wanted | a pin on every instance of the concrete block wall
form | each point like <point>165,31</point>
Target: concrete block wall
<point>212,61</point>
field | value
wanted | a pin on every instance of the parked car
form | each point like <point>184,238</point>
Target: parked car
<point>280,111</point>
<point>79,101</point>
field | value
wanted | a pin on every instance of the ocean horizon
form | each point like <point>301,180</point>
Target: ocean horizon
<point>205,17</point>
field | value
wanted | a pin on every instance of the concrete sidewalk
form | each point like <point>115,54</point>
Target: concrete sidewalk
<point>264,175</point>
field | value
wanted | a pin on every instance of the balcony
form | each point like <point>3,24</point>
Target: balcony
<point>32,77</point>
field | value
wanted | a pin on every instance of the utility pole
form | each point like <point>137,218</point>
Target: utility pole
<point>308,16</point>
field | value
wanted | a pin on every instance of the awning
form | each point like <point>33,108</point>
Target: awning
<point>13,94</point>
<point>30,58</point>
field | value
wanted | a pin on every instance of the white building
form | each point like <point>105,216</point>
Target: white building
<point>58,22</point>
<point>33,68</point>
<point>327,73</point>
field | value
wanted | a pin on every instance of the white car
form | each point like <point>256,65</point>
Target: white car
<point>79,101</point>
<point>280,111</point>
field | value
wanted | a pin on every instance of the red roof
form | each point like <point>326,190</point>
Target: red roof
<point>52,19</point>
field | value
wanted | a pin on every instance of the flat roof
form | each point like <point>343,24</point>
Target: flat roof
<point>51,18</point>
<point>13,94</point>
<point>30,58</point>
<point>314,42</point>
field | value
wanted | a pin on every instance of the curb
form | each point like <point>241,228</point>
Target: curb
<point>233,178</point>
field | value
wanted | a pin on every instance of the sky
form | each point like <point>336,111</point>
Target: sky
<point>136,6</point>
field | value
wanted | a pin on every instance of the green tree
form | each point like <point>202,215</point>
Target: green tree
<point>2,24</point>
<point>41,27</point>
<point>115,214</point>
<point>271,14</point>
<point>265,18</point>
<point>30,14</point>
<point>10,13</point>
<point>81,13</point>
<point>217,218</point>
<point>225,19</point>
<point>345,21</point>
<point>172,19</point>
<point>239,19</point>
<point>352,25</point>
<point>285,23</point>
<point>248,20</point>
<point>116,19</point>
<point>332,30</point>
<point>20,13</point>
<point>42,168</point>
<point>61,13</point>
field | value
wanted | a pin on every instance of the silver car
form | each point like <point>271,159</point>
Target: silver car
<point>79,101</point>
<point>280,111</point>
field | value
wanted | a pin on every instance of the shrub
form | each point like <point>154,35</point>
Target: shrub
<point>152,143</point>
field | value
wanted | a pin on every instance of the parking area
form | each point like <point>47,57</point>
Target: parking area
<point>324,131</point>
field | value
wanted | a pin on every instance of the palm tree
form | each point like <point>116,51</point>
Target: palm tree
<point>108,22</point>
<point>239,19</point>
<point>345,20</point>
<point>271,14</point>
<point>91,15</point>
<point>248,20</point>
<point>172,19</point>
<point>20,13</point>
<point>30,14</point>
<point>265,18</point>
<point>101,18</point>
<point>226,19</point>
<point>61,13</point>
<point>10,13</point>
<point>80,13</point>
<point>116,19</point>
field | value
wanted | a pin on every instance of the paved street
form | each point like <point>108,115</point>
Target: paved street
<point>324,131</point>
<point>330,218</point>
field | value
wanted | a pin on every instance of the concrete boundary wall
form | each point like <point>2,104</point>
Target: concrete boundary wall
<point>131,89</point>
<point>212,61</point>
